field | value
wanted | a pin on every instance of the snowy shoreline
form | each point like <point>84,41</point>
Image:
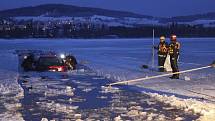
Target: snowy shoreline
<point>102,39</point>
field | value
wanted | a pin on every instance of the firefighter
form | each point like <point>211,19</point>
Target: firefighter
<point>28,62</point>
<point>162,53</point>
<point>71,62</point>
<point>173,50</point>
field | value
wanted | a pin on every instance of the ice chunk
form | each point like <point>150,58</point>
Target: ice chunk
<point>133,113</point>
<point>179,119</point>
<point>77,116</point>
<point>109,89</point>
<point>118,118</point>
<point>186,78</point>
<point>44,119</point>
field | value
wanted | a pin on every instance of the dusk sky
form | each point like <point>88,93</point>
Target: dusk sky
<point>161,8</point>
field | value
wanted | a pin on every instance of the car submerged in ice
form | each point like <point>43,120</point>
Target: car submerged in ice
<point>46,61</point>
<point>50,63</point>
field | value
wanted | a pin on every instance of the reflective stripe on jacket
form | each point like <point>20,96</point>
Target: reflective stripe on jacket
<point>174,48</point>
<point>163,48</point>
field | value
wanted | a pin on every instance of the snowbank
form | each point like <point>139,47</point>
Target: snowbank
<point>206,110</point>
<point>10,91</point>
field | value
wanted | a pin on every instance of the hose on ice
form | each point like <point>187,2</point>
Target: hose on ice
<point>163,75</point>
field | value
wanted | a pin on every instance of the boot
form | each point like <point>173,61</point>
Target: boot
<point>172,77</point>
<point>175,76</point>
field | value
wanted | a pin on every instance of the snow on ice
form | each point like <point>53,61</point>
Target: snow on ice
<point>10,91</point>
<point>119,60</point>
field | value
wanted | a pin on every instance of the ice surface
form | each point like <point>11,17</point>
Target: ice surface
<point>10,91</point>
<point>117,59</point>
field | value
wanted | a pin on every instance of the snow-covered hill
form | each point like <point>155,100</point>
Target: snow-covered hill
<point>60,12</point>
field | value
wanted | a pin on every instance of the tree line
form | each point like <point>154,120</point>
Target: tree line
<point>92,30</point>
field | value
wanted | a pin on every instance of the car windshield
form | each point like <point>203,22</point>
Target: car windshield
<point>50,61</point>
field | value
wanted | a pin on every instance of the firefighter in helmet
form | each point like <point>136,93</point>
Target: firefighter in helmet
<point>71,62</point>
<point>162,53</point>
<point>174,48</point>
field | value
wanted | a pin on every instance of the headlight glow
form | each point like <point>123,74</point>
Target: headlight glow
<point>25,57</point>
<point>62,56</point>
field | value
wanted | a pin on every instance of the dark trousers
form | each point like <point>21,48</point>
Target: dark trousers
<point>161,61</point>
<point>174,64</point>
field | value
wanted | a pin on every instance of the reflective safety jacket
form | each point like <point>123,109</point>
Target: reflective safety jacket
<point>174,48</point>
<point>163,48</point>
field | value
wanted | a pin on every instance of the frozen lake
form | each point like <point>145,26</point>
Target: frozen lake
<point>118,59</point>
